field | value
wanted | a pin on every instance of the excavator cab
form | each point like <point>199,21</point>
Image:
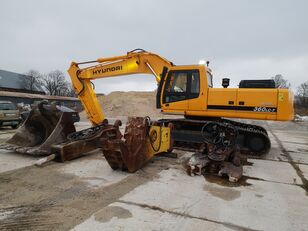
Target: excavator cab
<point>184,88</point>
<point>188,91</point>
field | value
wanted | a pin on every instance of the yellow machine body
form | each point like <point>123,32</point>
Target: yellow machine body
<point>159,140</point>
<point>246,103</point>
<point>183,90</point>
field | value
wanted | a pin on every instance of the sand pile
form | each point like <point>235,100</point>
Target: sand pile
<point>117,104</point>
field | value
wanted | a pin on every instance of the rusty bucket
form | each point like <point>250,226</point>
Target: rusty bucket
<point>46,124</point>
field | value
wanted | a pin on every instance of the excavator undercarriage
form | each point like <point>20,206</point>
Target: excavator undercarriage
<point>190,134</point>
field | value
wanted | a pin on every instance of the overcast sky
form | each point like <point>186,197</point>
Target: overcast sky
<point>243,39</point>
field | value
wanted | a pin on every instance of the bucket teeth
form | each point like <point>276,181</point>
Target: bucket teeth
<point>11,147</point>
<point>22,149</point>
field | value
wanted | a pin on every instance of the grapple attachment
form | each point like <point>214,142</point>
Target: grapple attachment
<point>46,125</point>
<point>218,154</point>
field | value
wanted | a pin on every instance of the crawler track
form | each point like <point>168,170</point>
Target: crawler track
<point>188,134</point>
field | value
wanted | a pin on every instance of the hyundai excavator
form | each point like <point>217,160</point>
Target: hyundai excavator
<point>185,90</point>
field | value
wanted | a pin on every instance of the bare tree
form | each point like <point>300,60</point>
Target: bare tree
<point>302,94</point>
<point>55,84</point>
<point>71,91</point>
<point>280,82</point>
<point>32,80</point>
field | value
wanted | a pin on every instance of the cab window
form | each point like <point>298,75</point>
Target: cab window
<point>195,83</point>
<point>209,79</point>
<point>178,82</point>
<point>181,85</point>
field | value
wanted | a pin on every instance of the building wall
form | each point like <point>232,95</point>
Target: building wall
<point>11,81</point>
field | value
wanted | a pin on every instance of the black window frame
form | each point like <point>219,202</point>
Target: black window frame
<point>187,94</point>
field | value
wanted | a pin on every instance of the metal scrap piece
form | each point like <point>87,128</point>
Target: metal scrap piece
<point>233,172</point>
<point>196,163</point>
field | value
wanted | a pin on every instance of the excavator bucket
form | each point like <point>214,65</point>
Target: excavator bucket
<point>47,124</point>
<point>142,140</point>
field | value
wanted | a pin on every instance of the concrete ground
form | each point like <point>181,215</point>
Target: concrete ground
<point>86,194</point>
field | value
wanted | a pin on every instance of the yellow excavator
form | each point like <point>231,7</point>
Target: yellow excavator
<point>182,90</point>
<point>185,90</point>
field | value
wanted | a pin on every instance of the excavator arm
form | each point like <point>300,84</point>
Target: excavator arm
<point>134,62</point>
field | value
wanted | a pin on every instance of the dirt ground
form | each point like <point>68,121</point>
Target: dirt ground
<point>45,199</point>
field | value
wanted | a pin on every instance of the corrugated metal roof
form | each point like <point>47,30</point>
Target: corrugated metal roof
<point>14,80</point>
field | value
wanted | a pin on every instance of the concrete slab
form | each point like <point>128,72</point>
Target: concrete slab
<point>295,147</point>
<point>276,154</point>
<point>301,158</point>
<point>298,152</point>
<point>294,141</point>
<point>259,206</point>
<point>274,143</point>
<point>304,169</point>
<point>122,216</point>
<point>10,160</point>
<point>275,171</point>
<point>297,137</point>
<point>94,171</point>
<point>288,126</point>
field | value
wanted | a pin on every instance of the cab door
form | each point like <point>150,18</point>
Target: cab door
<point>180,86</point>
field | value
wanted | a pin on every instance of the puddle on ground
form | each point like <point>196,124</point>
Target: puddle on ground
<point>107,213</point>
<point>259,195</point>
<point>227,194</point>
<point>223,181</point>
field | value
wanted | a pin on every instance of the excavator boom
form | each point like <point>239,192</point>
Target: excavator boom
<point>135,62</point>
